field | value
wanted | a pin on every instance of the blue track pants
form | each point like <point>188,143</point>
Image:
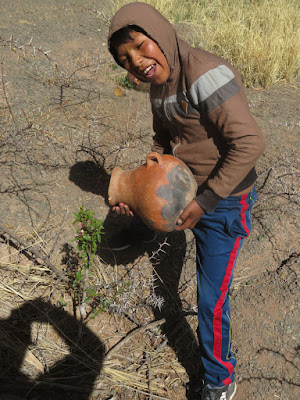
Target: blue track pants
<point>219,237</point>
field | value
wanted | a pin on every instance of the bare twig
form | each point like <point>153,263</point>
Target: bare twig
<point>133,333</point>
<point>83,300</point>
<point>4,84</point>
<point>148,359</point>
<point>35,252</point>
<point>20,48</point>
<point>154,258</point>
<point>21,382</point>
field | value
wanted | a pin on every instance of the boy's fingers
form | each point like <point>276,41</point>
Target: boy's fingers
<point>184,225</point>
<point>127,210</point>
<point>181,221</point>
<point>123,209</point>
<point>116,209</point>
<point>182,217</point>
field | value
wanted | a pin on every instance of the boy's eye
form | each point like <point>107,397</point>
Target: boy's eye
<point>123,60</point>
<point>139,45</point>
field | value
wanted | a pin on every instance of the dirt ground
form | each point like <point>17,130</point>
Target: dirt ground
<point>63,129</point>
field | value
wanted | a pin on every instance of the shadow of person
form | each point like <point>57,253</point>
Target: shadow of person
<point>181,338</point>
<point>166,271</point>
<point>71,377</point>
<point>90,177</point>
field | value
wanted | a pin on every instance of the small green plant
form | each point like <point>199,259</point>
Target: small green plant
<point>124,82</point>
<point>87,238</point>
<point>61,303</point>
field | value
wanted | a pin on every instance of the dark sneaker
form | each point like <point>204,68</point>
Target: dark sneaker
<point>194,390</point>
<point>129,237</point>
<point>222,393</point>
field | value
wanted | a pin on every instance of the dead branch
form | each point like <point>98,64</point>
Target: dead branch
<point>83,300</point>
<point>148,361</point>
<point>133,333</point>
<point>21,382</point>
<point>20,48</point>
<point>6,97</point>
<point>23,246</point>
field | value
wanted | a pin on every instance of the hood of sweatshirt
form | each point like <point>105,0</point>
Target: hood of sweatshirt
<point>157,27</point>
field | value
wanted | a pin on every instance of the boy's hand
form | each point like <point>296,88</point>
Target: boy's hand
<point>190,216</point>
<point>123,209</point>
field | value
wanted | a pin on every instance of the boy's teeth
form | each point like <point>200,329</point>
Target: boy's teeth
<point>148,69</point>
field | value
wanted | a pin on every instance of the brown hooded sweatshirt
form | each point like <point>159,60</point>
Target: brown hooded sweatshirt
<point>201,113</point>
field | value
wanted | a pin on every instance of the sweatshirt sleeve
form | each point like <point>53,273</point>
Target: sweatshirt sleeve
<point>220,95</point>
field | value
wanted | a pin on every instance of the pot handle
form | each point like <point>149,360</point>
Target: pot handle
<point>154,158</point>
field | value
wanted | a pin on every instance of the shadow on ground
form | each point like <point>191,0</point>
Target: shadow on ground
<point>166,269</point>
<point>72,377</point>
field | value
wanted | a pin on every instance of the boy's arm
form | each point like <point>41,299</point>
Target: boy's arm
<point>227,109</point>
<point>245,143</point>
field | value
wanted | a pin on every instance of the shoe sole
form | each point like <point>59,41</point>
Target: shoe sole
<point>231,397</point>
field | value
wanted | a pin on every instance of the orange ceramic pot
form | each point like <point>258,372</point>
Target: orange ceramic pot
<point>158,191</point>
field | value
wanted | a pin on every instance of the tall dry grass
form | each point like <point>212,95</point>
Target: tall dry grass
<point>260,37</point>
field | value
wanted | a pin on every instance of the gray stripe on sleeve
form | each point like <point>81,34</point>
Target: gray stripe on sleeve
<point>220,96</point>
<point>213,88</point>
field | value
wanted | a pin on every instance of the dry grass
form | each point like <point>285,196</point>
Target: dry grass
<point>142,366</point>
<point>261,37</point>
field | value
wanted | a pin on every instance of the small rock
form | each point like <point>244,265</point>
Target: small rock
<point>119,92</point>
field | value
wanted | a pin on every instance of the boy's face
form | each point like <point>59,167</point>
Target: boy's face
<point>143,58</point>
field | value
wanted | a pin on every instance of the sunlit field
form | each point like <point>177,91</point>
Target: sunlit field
<point>259,37</point>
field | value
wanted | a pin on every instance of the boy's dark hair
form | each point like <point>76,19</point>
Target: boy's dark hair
<point>122,36</point>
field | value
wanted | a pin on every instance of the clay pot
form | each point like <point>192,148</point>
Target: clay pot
<point>158,191</point>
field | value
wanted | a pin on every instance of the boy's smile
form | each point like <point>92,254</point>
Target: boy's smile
<point>143,58</point>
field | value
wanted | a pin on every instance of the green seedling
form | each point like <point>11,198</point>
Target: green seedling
<point>61,304</point>
<point>124,82</point>
<point>87,237</point>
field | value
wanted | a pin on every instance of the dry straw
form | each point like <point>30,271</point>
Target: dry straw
<point>259,37</point>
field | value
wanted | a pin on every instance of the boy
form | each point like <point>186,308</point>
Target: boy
<point>200,115</point>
